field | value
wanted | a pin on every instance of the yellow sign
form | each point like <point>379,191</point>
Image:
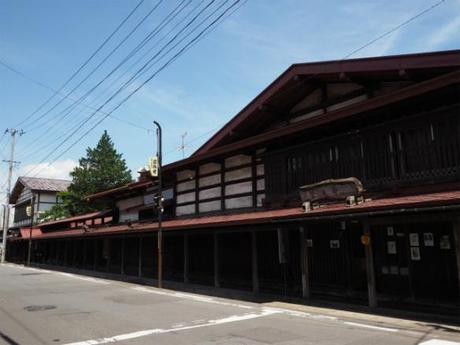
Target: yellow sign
<point>153,166</point>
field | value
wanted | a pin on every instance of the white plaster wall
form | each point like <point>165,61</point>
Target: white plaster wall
<point>187,185</point>
<point>185,174</point>
<point>261,184</point>
<point>245,201</point>
<point>238,174</point>
<point>260,198</point>
<point>209,180</point>
<point>238,188</point>
<point>237,160</point>
<point>260,169</point>
<point>210,193</point>
<point>187,197</point>
<point>184,210</point>
<point>209,168</point>
<point>130,202</point>
<point>209,206</point>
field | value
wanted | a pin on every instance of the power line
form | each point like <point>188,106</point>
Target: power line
<point>129,81</point>
<point>152,34</point>
<point>105,58</point>
<point>396,28</point>
<point>84,63</point>
<point>179,8</point>
<point>57,92</point>
<point>172,59</point>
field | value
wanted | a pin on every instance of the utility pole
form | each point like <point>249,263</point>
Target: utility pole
<point>11,163</point>
<point>159,208</point>
<point>182,146</point>
<point>29,252</point>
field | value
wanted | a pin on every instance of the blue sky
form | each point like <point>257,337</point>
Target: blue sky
<point>47,40</point>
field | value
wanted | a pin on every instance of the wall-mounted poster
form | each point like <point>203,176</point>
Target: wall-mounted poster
<point>444,242</point>
<point>428,239</point>
<point>413,239</point>
<point>390,231</point>
<point>335,244</point>
<point>415,253</point>
<point>309,242</point>
<point>391,247</point>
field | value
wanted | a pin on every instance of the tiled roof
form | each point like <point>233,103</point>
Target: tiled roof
<point>85,216</point>
<point>44,184</point>
<point>402,203</point>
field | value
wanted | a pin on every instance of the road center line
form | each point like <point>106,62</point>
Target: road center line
<point>371,327</point>
<point>188,326</point>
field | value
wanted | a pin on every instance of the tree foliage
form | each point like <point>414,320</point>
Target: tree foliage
<point>101,169</point>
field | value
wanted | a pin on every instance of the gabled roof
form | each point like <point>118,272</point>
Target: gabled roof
<point>290,86</point>
<point>38,184</point>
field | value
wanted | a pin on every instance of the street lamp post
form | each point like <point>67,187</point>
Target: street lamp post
<point>159,208</point>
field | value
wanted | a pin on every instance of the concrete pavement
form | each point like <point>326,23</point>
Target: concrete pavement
<point>46,307</point>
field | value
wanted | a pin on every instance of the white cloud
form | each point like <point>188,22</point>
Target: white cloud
<point>58,169</point>
<point>444,34</point>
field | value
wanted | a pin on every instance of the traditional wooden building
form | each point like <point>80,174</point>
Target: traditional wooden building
<point>234,215</point>
<point>39,193</point>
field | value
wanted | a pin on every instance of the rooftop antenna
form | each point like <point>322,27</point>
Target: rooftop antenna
<point>182,146</point>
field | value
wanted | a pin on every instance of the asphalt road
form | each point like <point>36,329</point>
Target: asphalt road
<point>46,307</point>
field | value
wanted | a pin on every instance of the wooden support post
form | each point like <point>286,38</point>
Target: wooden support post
<point>306,293</point>
<point>95,254</point>
<point>107,268</point>
<point>456,233</point>
<point>216,261</point>
<point>371,286</point>
<point>186,259</point>
<point>139,267</point>
<point>85,244</point>
<point>66,248</point>
<point>255,266</point>
<point>122,268</point>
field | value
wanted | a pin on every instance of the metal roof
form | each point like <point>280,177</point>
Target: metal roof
<point>38,184</point>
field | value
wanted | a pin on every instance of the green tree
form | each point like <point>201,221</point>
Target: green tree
<point>101,169</point>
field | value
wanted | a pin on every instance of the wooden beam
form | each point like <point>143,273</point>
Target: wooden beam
<point>371,285</point>
<point>306,293</point>
<point>216,261</point>
<point>186,259</point>
<point>139,264</point>
<point>255,265</point>
<point>456,233</point>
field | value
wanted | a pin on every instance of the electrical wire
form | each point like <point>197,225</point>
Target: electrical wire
<point>171,60</point>
<point>83,65</point>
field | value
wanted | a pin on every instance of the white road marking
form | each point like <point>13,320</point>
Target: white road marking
<point>438,342</point>
<point>133,335</point>
<point>88,279</point>
<point>371,327</point>
<point>191,297</point>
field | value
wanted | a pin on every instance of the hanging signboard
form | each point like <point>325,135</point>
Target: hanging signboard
<point>335,244</point>
<point>428,239</point>
<point>153,166</point>
<point>413,239</point>
<point>444,242</point>
<point>391,247</point>
<point>390,231</point>
<point>415,253</point>
<point>29,211</point>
